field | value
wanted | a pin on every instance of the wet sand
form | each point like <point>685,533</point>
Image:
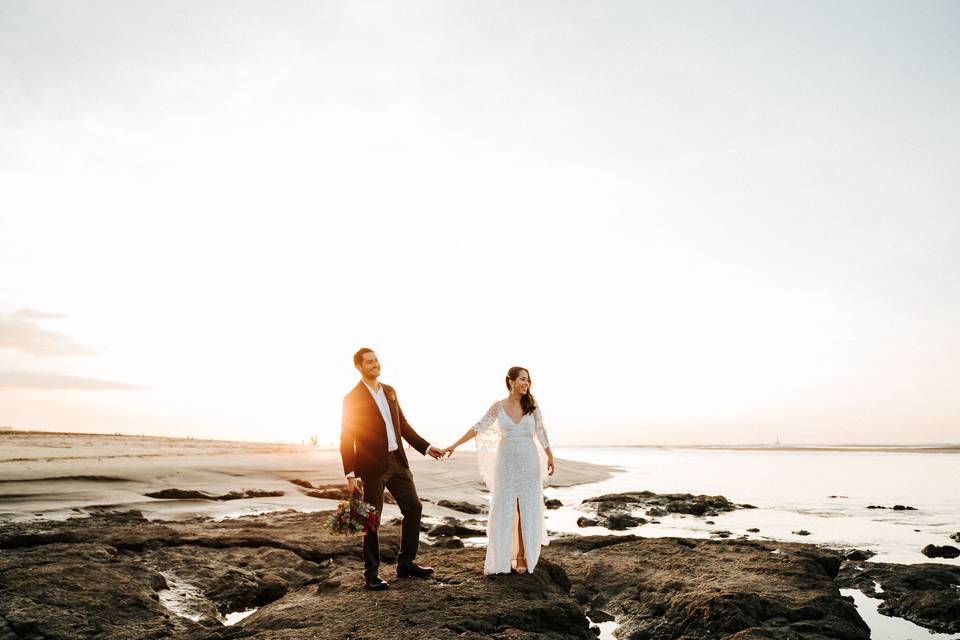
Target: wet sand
<point>49,475</point>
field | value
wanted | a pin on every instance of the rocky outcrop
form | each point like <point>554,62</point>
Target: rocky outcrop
<point>945,551</point>
<point>462,506</point>
<point>112,577</point>
<point>454,527</point>
<point>665,588</point>
<point>615,510</point>
<point>925,594</point>
<point>896,507</point>
<point>192,494</point>
<point>856,554</point>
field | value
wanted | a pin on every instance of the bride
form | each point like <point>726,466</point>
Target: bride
<point>513,467</point>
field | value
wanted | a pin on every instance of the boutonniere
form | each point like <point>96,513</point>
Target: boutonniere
<point>392,396</point>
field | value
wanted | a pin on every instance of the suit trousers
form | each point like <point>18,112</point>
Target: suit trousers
<point>398,479</point>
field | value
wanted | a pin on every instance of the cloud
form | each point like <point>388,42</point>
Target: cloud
<point>34,380</point>
<point>19,332</point>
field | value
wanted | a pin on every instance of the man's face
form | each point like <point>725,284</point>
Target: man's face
<point>370,366</point>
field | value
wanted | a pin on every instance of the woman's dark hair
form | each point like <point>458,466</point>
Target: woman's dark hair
<point>527,402</point>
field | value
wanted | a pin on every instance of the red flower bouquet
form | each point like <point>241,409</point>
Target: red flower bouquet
<point>353,517</point>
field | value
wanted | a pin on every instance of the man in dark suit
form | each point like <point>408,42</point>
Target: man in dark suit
<point>372,449</point>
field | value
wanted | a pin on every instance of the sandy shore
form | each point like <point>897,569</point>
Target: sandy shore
<point>60,475</point>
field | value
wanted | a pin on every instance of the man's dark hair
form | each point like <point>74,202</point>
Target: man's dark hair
<point>358,356</point>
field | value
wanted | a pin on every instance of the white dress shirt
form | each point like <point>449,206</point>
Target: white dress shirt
<point>381,399</point>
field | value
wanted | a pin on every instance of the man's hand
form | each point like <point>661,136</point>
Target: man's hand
<point>434,453</point>
<point>351,486</point>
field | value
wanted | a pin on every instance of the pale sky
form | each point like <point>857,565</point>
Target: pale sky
<point>694,222</point>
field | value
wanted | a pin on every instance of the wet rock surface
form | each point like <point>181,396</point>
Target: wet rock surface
<point>615,510</point>
<point>191,494</point>
<point>114,576</point>
<point>926,594</point>
<point>945,551</point>
<point>462,506</point>
<point>660,588</point>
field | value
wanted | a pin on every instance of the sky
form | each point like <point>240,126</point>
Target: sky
<point>693,222</point>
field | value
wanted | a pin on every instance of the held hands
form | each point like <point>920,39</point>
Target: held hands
<point>351,486</point>
<point>435,453</point>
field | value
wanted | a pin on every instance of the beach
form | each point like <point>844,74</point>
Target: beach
<point>54,476</point>
<point>183,538</point>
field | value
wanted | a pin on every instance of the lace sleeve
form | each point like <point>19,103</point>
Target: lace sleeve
<point>488,419</point>
<point>540,430</point>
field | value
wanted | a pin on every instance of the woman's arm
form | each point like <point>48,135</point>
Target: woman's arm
<point>541,432</point>
<point>469,435</point>
<point>488,419</point>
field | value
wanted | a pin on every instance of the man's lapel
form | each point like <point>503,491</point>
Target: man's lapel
<point>364,391</point>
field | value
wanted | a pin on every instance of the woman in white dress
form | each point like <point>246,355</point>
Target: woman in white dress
<point>513,467</point>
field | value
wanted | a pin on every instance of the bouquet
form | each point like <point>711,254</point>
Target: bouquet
<point>353,517</point>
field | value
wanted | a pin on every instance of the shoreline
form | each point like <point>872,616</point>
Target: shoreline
<point>938,447</point>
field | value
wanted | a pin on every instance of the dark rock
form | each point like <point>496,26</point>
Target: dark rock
<point>455,527</point>
<point>613,510</point>
<point>955,536</point>
<point>801,532</point>
<point>710,522</point>
<point>73,591</point>
<point>856,555</point>
<point>249,493</point>
<point>753,530</point>
<point>671,588</point>
<point>586,522</point>
<point>449,543</point>
<point>900,507</point>
<point>658,587</point>
<point>189,494</point>
<point>721,534</point>
<point>442,531</point>
<point>622,521</point>
<point>180,494</point>
<point>925,594</point>
<point>598,615</point>
<point>875,506</point>
<point>272,587</point>
<point>552,503</point>
<point>462,506</point>
<point>946,551</point>
<point>302,483</point>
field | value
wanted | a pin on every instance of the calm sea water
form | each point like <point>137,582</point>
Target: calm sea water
<point>792,491</point>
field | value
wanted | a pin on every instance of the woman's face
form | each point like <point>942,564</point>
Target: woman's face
<point>522,384</point>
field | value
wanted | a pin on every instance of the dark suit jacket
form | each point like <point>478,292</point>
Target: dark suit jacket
<point>363,433</point>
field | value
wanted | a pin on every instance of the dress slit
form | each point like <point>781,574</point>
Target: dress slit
<point>518,551</point>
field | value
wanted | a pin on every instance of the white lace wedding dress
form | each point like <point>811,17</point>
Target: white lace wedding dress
<point>513,467</point>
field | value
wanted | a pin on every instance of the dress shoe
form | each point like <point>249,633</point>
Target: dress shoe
<point>404,570</point>
<point>374,583</point>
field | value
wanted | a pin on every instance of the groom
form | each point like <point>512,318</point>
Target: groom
<point>371,449</point>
